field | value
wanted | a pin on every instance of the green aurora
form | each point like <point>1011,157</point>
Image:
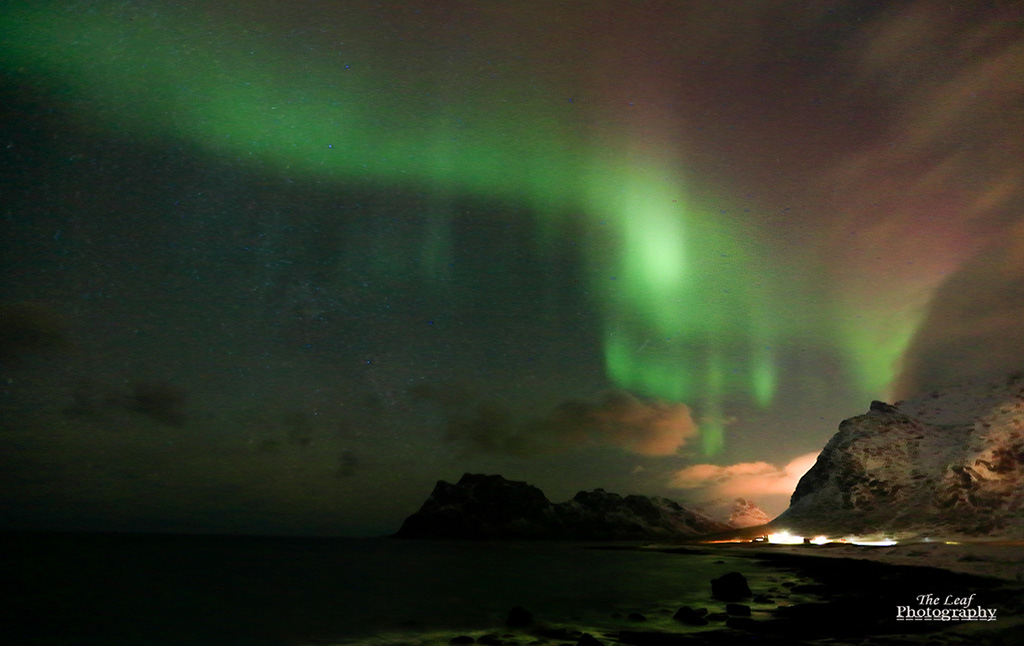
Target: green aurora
<point>695,308</point>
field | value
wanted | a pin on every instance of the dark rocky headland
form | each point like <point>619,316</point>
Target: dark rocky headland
<point>491,507</point>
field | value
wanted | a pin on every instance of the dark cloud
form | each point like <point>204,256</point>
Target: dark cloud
<point>299,427</point>
<point>347,463</point>
<point>159,400</point>
<point>974,326</point>
<point>614,418</point>
<point>31,328</point>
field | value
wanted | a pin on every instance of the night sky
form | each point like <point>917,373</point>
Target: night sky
<point>278,266</point>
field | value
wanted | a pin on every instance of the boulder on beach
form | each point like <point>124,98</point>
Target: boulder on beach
<point>519,616</point>
<point>691,617</point>
<point>737,609</point>
<point>730,587</point>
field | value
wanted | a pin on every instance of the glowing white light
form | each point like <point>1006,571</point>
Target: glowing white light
<point>785,538</point>
<point>820,540</point>
<point>885,542</point>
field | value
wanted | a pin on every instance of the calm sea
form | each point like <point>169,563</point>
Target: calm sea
<point>112,589</point>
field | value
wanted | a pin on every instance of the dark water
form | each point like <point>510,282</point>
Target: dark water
<point>103,589</point>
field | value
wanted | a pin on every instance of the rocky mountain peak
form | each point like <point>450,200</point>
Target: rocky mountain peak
<point>745,513</point>
<point>948,463</point>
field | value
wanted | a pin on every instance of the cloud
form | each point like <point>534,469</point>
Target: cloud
<point>972,328</point>
<point>615,418</point>
<point>31,328</point>
<point>952,117</point>
<point>641,426</point>
<point>916,207</point>
<point>744,479</point>
<point>347,463</point>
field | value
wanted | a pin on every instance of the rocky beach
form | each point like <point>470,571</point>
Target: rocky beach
<point>162,590</point>
<point>863,596</point>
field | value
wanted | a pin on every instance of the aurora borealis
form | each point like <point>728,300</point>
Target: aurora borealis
<point>635,237</point>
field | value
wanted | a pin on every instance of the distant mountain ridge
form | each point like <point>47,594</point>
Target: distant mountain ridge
<point>745,513</point>
<point>491,507</point>
<point>737,513</point>
<point>948,464</point>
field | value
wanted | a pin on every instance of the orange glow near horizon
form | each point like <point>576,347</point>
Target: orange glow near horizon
<point>784,537</point>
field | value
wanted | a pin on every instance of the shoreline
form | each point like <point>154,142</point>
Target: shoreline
<point>893,595</point>
<point>797,594</point>
<point>838,595</point>
<point>1003,561</point>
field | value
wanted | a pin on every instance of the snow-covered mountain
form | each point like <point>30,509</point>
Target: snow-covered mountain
<point>737,513</point>
<point>745,513</point>
<point>946,464</point>
<point>491,507</point>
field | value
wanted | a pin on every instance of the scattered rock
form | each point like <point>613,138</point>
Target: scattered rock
<point>586,639</point>
<point>741,623</point>
<point>737,609</point>
<point>518,617</point>
<point>461,639</point>
<point>489,640</point>
<point>763,598</point>
<point>636,616</point>
<point>691,617</point>
<point>717,616</point>
<point>559,634</point>
<point>730,587</point>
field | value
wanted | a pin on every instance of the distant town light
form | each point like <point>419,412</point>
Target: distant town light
<point>885,542</point>
<point>785,538</point>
